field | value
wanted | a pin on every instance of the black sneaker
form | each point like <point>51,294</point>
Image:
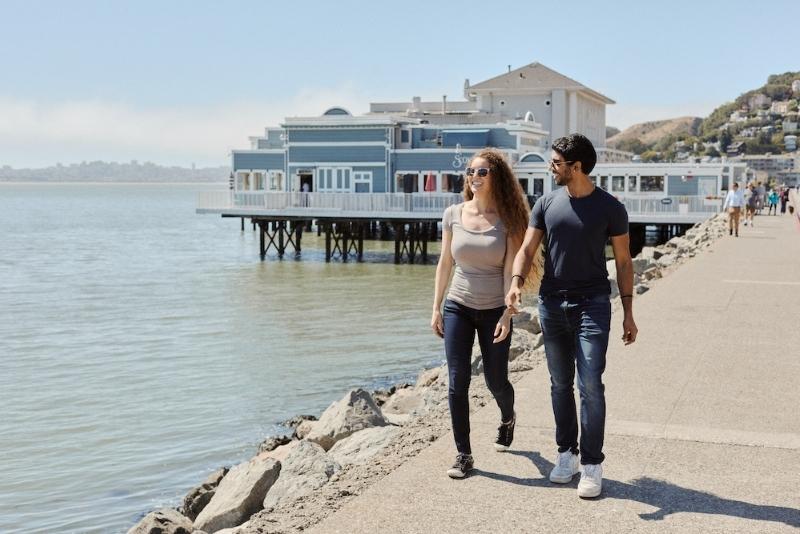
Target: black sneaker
<point>463,465</point>
<point>505,434</point>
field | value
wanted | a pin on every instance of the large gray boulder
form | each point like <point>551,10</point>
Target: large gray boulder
<point>648,253</point>
<point>640,265</point>
<point>307,468</point>
<point>199,497</point>
<point>403,401</point>
<point>297,419</point>
<point>429,377</point>
<point>281,452</point>
<point>304,428</point>
<point>363,445</point>
<point>356,411</point>
<point>666,260</point>
<point>240,494</point>
<point>273,443</point>
<point>523,341</point>
<point>164,521</point>
<point>528,319</point>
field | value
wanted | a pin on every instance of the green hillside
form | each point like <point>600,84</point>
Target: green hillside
<point>751,120</point>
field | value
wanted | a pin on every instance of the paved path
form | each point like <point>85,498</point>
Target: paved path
<point>703,430</point>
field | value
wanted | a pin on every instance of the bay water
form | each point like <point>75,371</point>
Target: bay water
<point>142,346</point>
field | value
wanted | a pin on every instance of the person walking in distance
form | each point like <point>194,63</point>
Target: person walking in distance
<point>480,237</point>
<point>734,201</point>
<point>574,223</point>
<point>784,198</point>
<point>772,199</point>
<point>751,203</point>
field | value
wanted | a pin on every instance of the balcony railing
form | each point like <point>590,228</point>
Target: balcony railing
<point>344,202</point>
<point>431,205</point>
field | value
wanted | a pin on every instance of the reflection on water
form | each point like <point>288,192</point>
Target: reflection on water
<point>144,345</point>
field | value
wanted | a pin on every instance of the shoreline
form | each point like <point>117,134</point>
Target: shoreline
<point>343,461</point>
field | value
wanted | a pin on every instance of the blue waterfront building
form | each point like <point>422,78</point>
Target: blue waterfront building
<point>416,146</point>
<point>422,148</point>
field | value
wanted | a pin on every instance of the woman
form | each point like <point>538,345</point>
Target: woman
<point>481,236</point>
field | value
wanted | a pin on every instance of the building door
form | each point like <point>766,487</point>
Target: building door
<point>306,183</point>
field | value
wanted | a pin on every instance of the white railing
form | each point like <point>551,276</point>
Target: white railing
<point>672,205</point>
<point>428,203</point>
<point>345,202</point>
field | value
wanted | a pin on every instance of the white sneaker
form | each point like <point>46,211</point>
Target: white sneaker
<point>566,467</point>
<point>591,483</point>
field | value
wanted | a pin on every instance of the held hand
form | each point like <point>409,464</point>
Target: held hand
<point>437,325</point>
<point>629,330</point>
<point>503,327</point>
<point>514,298</point>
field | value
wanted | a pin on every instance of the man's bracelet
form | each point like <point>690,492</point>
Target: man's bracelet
<point>518,276</point>
<point>626,296</point>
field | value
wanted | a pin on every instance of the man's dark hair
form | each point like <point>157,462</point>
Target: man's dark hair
<point>577,147</point>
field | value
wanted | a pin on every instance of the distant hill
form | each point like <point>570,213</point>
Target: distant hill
<point>755,119</point>
<point>101,171</point>
<point>649,133</point>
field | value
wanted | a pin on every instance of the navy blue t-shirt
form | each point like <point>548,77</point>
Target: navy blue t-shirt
<point>576,233</point>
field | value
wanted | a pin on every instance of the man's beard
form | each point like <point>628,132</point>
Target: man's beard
<point>561,180</point>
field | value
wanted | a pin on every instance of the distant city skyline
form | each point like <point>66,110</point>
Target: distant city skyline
<point>182,82</point>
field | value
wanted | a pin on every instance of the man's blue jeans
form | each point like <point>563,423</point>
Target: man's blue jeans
<point>575,333</point>
<point>460,325</point>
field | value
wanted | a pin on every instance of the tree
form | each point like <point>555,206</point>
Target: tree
<point>725,140</point>
<point>712,152</point>
<point>650,156</point>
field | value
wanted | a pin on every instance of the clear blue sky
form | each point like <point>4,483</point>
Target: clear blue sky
<point>177,82</point>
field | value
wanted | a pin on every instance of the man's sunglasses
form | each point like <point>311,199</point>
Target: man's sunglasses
<point>480,171</point>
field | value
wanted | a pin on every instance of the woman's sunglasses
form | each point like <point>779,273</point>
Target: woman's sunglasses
<point>480,171</point>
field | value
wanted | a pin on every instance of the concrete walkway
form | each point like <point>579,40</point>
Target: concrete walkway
<point>703,431</point>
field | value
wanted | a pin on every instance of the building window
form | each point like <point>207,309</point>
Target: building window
<point>532,158</point>
<point>617,184</point>
<point>407,182</point>
<point>333,179</point>
<point>651,184</point>
<point>632,184</point>
<point>430,181</point>
<point>275,180</point>
<point>404,136</point>
<point>362,182</point>
<point>452,182</point>
<point>603,183</point>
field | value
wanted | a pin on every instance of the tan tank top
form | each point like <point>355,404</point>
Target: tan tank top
<point>479,258</point>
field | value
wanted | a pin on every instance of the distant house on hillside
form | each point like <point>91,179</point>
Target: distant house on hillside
<point>796,86</point>
<point>738,116</point>
<point>758,100</point>
<point>790,143</point>
<point>789,126</point>
<point>781,108</point>
<point>735,149</point>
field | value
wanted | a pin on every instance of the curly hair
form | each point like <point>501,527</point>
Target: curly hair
<point>512,206</point>
<point>507,193</point>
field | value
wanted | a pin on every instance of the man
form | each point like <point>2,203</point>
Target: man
<point>734,201</point>
<point>574,223</point>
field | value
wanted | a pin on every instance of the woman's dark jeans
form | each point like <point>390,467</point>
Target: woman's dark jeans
<point>576,335</point>
<point>460,324</point>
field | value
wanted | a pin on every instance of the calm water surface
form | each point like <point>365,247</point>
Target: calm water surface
<point>143,346</point>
